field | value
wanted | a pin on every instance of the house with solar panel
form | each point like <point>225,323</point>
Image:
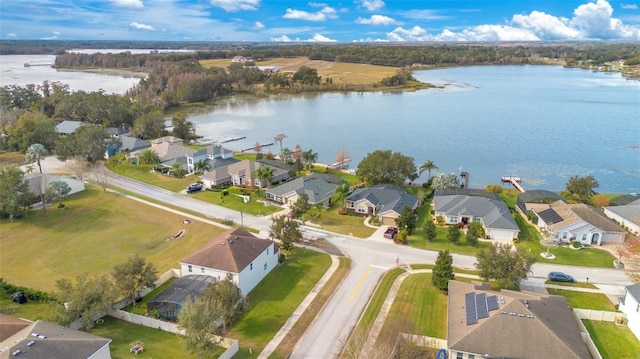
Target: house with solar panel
<point>565,222</point>
<point>464,206</point>
<point>237,253</point>
<point>508,324</point>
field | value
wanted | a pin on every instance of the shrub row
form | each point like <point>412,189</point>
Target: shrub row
<point>32,294</point>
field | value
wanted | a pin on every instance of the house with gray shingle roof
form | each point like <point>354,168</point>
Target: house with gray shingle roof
<point>384,201</point>
<point>68,127</point>
<point>627,216</point>
<point>318,187</point>
<point>630,305</point>
<point>466,206</point>
<point>210,154</point>
<point>577,222</point>
<point>510,324</point>
<point>242,174</point>
<point>238,253</point>
<point>44,340</point>
<point>127,144</point>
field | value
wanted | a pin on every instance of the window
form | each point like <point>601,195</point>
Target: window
<point>477,219</point>
<point>202,270</point>
<point>362,209</point>
<point>251,266</point>
<point>458,355</point>
<point>265,266</point>
<point>267,251</point>
<point>453,219</point>
<point>471,356</point>
<point>190,269</point>
<point>584,237</point>
<point>564,235</point>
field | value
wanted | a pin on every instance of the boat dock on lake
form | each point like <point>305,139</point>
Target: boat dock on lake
<point>515,181</point>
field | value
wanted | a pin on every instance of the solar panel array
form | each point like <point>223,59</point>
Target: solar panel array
<point>478,306</point>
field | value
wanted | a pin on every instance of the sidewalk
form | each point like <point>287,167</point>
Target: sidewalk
<point>282,333</point>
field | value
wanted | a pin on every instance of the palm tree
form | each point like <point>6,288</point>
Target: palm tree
<point>35,153</point>
<point>428,166</point>
<point>263,174</point>
<point>177,170</point>
<point>149,157</point>
<point>279,137</point>
<point>310,158</point>
<point>340,196</point>
<point>201,167</point>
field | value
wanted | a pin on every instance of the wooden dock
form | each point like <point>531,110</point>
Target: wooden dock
<point>515,181</point>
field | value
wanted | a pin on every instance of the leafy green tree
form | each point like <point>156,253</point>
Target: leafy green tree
<point>183,128</point>
<point>176,170</point>
<point>285,155</point>
<point>428,166</point>
<point>406,220</point>
<point>309,157</point>
<point>227,300</point>
<point>15,196</point>
<point>87,143</point>
<point>134,275</point>
<point>30,128</point>
<point>264,174</point>
<point>454,234</point>
<point>286,230</point>
<point>35,153</point>
<point>84,300</point>
<point>149,125</point>
<point>476,230</point>
<point>443,270</point>
<point>58,190</point>
<point>582,188</point>
<point>386,167</point>
<point>445,180</point>
<point>306,76</point>
<point>149,157</point>
<point>471,238</point>
<point>198,317</point>
<point>429,229</point>
<point>503,264</point>
<point>300,206</point>
<point>201,167</point>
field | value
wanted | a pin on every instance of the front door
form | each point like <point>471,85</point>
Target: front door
<point>595,238</point>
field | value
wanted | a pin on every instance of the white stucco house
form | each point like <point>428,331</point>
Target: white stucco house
<point>630,305</point>
<point>577,222</point>
<point>473,205</point>
<point>247,258</point>
<point>627,216</point>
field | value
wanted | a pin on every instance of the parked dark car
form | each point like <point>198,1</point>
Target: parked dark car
<point>560,277</point>
<point>391,233</point>
<point>194,187</point>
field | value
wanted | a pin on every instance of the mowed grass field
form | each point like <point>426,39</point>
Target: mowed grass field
<point>95,231</point>
<point>342,73</point>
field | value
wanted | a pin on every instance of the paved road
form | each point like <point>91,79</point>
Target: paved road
<point>370,258</point>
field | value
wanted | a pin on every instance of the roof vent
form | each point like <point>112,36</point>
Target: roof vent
<point>223,243</point>
<point>521,315</point>
<point>31,343</point>
<point>17,352</point>
<point>530,316</point>
<point>513,313</point>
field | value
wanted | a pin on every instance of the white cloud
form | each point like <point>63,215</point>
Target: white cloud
<point>378,20</point>
<point>320,38</point>
<point>57,33</point>
<point>629,6</point>
<point>546,26</point>
<point>592,20</point>
<point>283,38</point>
<point>424,15</point>
<point>258,26</point>
<point>372,5</point>
<point>134,4</point>
<point>236,5</point>
<point>138,26</point>
<point>11,35</point>
<point>322,15</point>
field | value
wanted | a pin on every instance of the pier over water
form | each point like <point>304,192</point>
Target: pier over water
<point>515,181</point>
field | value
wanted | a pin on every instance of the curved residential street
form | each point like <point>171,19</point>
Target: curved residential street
<point>370,258</point>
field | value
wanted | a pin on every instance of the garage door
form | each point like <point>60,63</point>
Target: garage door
<point>504,235</point>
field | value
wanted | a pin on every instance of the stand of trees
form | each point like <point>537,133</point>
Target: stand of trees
<point>503,264</point>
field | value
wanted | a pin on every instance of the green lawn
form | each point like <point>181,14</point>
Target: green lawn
<point>595,301</point>
<point>232,201</point>
<point>613,341</point>
<point>273,301</point>
<point>574,284</point>
<point>31,310</point>
<point>331,220</point>
<point>156,343</point>
<point>143,173</point>
<point>94,231</point>
<point>422,305</point>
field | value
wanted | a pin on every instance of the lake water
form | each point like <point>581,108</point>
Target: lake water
<point>544,124</point>
<point>13,72</point>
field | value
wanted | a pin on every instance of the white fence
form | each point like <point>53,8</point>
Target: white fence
<point>600,315</point>
<point>231,344</point>
<point>586,337</point>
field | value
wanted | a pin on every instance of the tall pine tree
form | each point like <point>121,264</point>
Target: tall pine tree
<point>443,271</point>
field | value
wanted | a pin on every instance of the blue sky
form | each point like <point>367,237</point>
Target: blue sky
<point>320,21</point>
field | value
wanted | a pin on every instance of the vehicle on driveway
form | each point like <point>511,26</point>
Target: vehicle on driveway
<point>194,187</point>
<point>560,277</point>
<point>391,233</point>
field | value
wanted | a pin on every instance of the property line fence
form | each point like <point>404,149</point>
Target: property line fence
<point>599,315</point>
